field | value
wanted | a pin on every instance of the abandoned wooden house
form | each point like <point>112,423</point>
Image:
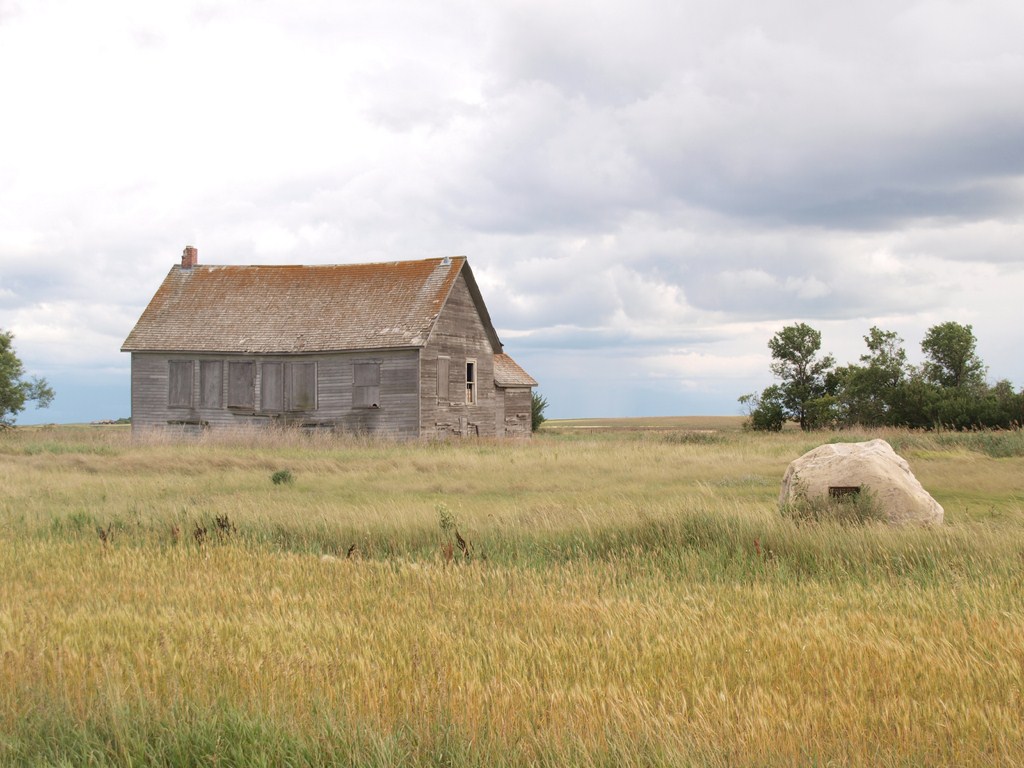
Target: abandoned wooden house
<point>402,349</point>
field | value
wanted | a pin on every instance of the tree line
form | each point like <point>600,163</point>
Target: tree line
<point>948,390</point>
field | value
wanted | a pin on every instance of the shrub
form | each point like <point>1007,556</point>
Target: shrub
<point>765,410</point>
<point>848,509</point>
<point>538,405</point>
<point>282,477</point>
<point>445,519</point>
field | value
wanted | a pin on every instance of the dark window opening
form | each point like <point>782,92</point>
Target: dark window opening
<point>471,382</point>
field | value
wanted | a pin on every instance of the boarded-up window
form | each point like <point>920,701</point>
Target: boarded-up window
<point>366,389</point>
<point>211,383</point>
<point>443,369</point>
<point>179,383</point>
<point>241,389</point>
<point>302,386</point>
<point>272,387</point>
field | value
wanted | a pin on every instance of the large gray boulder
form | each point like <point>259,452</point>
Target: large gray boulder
<point>841,468</point>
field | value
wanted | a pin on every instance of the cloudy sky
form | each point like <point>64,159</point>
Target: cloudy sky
<point>646,189</point>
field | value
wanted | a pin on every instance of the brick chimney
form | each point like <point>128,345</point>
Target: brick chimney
<point>189,257</point>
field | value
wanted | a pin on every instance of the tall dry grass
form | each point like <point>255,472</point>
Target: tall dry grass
<point>631,598</point>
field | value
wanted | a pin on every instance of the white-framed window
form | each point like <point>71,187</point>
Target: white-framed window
<point>471,382</point>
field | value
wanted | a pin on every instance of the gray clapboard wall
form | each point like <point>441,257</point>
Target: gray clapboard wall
<point>198,391</point>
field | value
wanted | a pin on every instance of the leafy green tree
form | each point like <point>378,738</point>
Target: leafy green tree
<point>765,409</point>
<point>806,393</point>
<point>15,390</point>
<point>961,408</point>
<point>825,412</point>
<point>1003,408</point>
<point>868,392</point>
<point>537,407</point>
<point>804,375</point>
<point>951,359</point>
<point>886,358</point>
<point>915,403</point>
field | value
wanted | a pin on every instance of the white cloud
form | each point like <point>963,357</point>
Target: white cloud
<point>68,335</point>
<point>646,191</point>
<point>689,364</point>
<point>807,287</point>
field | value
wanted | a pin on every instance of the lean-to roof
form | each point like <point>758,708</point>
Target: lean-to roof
<point>507,373</point>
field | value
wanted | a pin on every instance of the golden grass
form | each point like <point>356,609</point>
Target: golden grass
<point>634,598</point>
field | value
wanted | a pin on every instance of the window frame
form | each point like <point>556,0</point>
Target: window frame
<point>277,367</point>
<point>472,374</point>
<point>211,382</point>
<point>292,377</point>
<point>444,388</point>
<point>366,389</point>
<point>181,387</point>
<point>249,401</point>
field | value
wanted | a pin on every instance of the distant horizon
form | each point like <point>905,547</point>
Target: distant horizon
<point>125,420</point>
<point>106,395</point>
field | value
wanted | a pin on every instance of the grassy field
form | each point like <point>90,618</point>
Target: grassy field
<point>628,594</point>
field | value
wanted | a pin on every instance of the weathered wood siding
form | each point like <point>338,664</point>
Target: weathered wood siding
<point>499,412</point>
<point>517,409</point>
<point>305,390</point>
<point>459,335</point>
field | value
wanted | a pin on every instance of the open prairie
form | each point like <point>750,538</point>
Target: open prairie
<point>609,593</point>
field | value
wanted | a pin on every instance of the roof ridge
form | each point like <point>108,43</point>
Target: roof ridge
<point>328,265</point>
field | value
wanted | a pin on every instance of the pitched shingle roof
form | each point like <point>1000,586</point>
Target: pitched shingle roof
<point>295,309</point>
<point>507,373</point>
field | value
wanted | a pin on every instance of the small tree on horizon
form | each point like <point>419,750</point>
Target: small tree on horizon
<point>804,375</point>
<point>15,390</point>
<point>765,410</point>
<point>805,393</point>
<point>869,392</point>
